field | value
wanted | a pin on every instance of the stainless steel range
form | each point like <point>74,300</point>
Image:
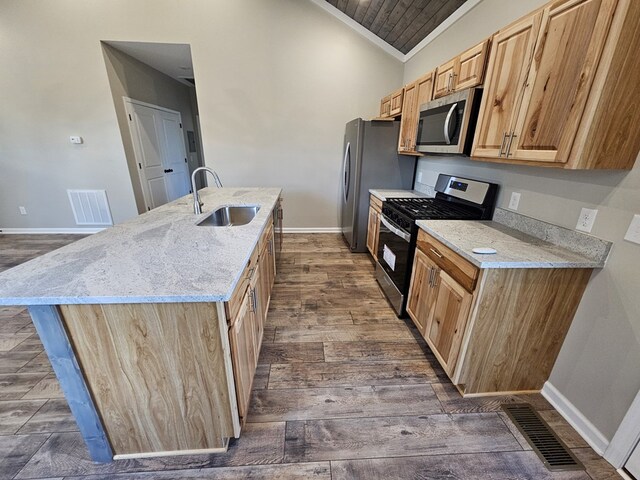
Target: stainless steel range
<point>456,199</point>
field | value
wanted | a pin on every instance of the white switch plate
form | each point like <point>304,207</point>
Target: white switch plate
<point>23,211</point>
<point>633,233</point>
<point>75,139</point>
<point>586,220</point>
<point>514,202</point>
<point>419,177</point>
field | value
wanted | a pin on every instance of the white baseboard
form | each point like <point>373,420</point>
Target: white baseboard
<point>312,230</point>
<point>576,419</point>
<point>49,231</point>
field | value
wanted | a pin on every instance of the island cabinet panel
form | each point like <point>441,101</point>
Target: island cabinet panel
<point>242,336</point>
<point>159,375</point>
<point>520,323</point>
<point>422,296</point>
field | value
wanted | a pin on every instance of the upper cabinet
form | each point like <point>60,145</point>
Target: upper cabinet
<point>464,71</point>
<point>385,107</point>
<point>547,83</point>
<point>396,102</point>
<point>415,94</point>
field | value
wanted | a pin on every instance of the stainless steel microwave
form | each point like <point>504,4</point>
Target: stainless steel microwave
<point>447,124</point>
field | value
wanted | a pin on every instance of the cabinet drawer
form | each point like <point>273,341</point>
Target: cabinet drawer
<point>232,307</point>
<point>461,270</point>
<point>376,203</point>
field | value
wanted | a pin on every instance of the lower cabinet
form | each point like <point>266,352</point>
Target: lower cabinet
<point>492,330</point>
<point>373,228</point>
<point>244,355</point>
<point>247,325</point>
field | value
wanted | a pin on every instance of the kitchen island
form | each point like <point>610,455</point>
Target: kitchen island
<point>153,326</point>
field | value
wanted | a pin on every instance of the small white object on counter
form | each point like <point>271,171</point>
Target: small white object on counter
<point>484,250</point>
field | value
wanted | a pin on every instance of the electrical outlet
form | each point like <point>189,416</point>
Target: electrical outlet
<point>75,139</point>
<point>514,202</point>
<point>633,233</point>
<point>419,177</point>
<point>586,220</point>
<point>23,211</point>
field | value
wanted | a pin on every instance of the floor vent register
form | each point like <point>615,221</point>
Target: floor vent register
<point>552,451</point>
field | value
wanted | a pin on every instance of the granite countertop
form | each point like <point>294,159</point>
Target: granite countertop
<point>384,194</point>
<point>160,256</point>
<point>515,249</point>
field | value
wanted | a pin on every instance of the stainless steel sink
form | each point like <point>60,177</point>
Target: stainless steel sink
<point>229,216</point>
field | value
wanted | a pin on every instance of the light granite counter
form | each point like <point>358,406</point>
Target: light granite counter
<point>516,249</point>
<point>384,194</point>
<point>160,256</point>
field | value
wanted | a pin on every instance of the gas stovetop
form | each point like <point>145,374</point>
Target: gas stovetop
<point>432,208</point>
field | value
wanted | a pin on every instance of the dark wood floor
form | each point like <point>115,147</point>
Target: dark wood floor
<point>344,390</point>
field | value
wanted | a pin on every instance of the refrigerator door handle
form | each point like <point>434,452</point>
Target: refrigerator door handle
<point>346,169</point>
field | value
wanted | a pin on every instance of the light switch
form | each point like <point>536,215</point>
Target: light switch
<point>633,233</point>
<point>514,202</point>
<point>75,139</point>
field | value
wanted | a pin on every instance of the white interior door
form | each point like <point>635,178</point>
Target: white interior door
<point>158,144</point>
<point>633,464</point>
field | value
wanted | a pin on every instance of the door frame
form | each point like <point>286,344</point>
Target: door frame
<point>128,105</point>
<point>626,437</point>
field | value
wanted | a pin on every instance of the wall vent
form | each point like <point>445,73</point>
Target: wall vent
<point>90,207</point>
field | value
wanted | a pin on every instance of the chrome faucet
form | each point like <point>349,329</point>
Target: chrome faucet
<point>197,204</point>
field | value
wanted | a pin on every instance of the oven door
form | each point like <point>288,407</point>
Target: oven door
<point>394,249</point>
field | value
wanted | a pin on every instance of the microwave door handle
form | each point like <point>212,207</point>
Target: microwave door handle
<point>403,235</point>
<point>447,122</point>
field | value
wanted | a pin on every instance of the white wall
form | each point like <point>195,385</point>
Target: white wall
<point>277,80</point>
<point>597,369</point>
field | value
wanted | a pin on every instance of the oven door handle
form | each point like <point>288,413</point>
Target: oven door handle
<point>395,230</point>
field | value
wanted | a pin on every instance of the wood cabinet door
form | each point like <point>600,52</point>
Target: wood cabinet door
<point>243,354</point>
<point>445,77</point>
<point>396,102</point>
<point>372,232</point>
<point>511,55</point>
<point>385,106</point>
<point>568,49</point>
<point>421,293</point>
<point>405,139</point>
<point>446,326</point>
<point>470,71</point>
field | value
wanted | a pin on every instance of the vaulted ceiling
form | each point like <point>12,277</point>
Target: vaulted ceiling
<point>401,23</point>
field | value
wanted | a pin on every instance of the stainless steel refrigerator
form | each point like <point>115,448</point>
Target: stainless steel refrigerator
<point>370,160</point>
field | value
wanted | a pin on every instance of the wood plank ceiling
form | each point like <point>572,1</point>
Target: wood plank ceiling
<point>401,23</point>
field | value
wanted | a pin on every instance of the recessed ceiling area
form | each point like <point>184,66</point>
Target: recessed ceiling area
<point>401,23</point>
<point>172,59</point>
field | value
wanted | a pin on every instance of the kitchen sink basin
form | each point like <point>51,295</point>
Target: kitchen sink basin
<point>229,216</point>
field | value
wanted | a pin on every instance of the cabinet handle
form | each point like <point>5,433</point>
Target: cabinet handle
<point>453,77</point>
<point>270,248</point>
<point>250,273</point>
<point>504,139</point>
<point>436,253</point>
<point>435,277</point>
<point>511,137</point>
<point>431,276</point>
<point>252,300</point>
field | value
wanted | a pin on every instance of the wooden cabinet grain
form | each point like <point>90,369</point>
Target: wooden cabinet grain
<point>396,102</point>
<point>385,107</point>
<point>492,330</point>
<point>416,94</point>
<point>243,352</point>
<point>546,86</point>
<point>373,226</point>
<point>247,325</point>
<point>464,71</point>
